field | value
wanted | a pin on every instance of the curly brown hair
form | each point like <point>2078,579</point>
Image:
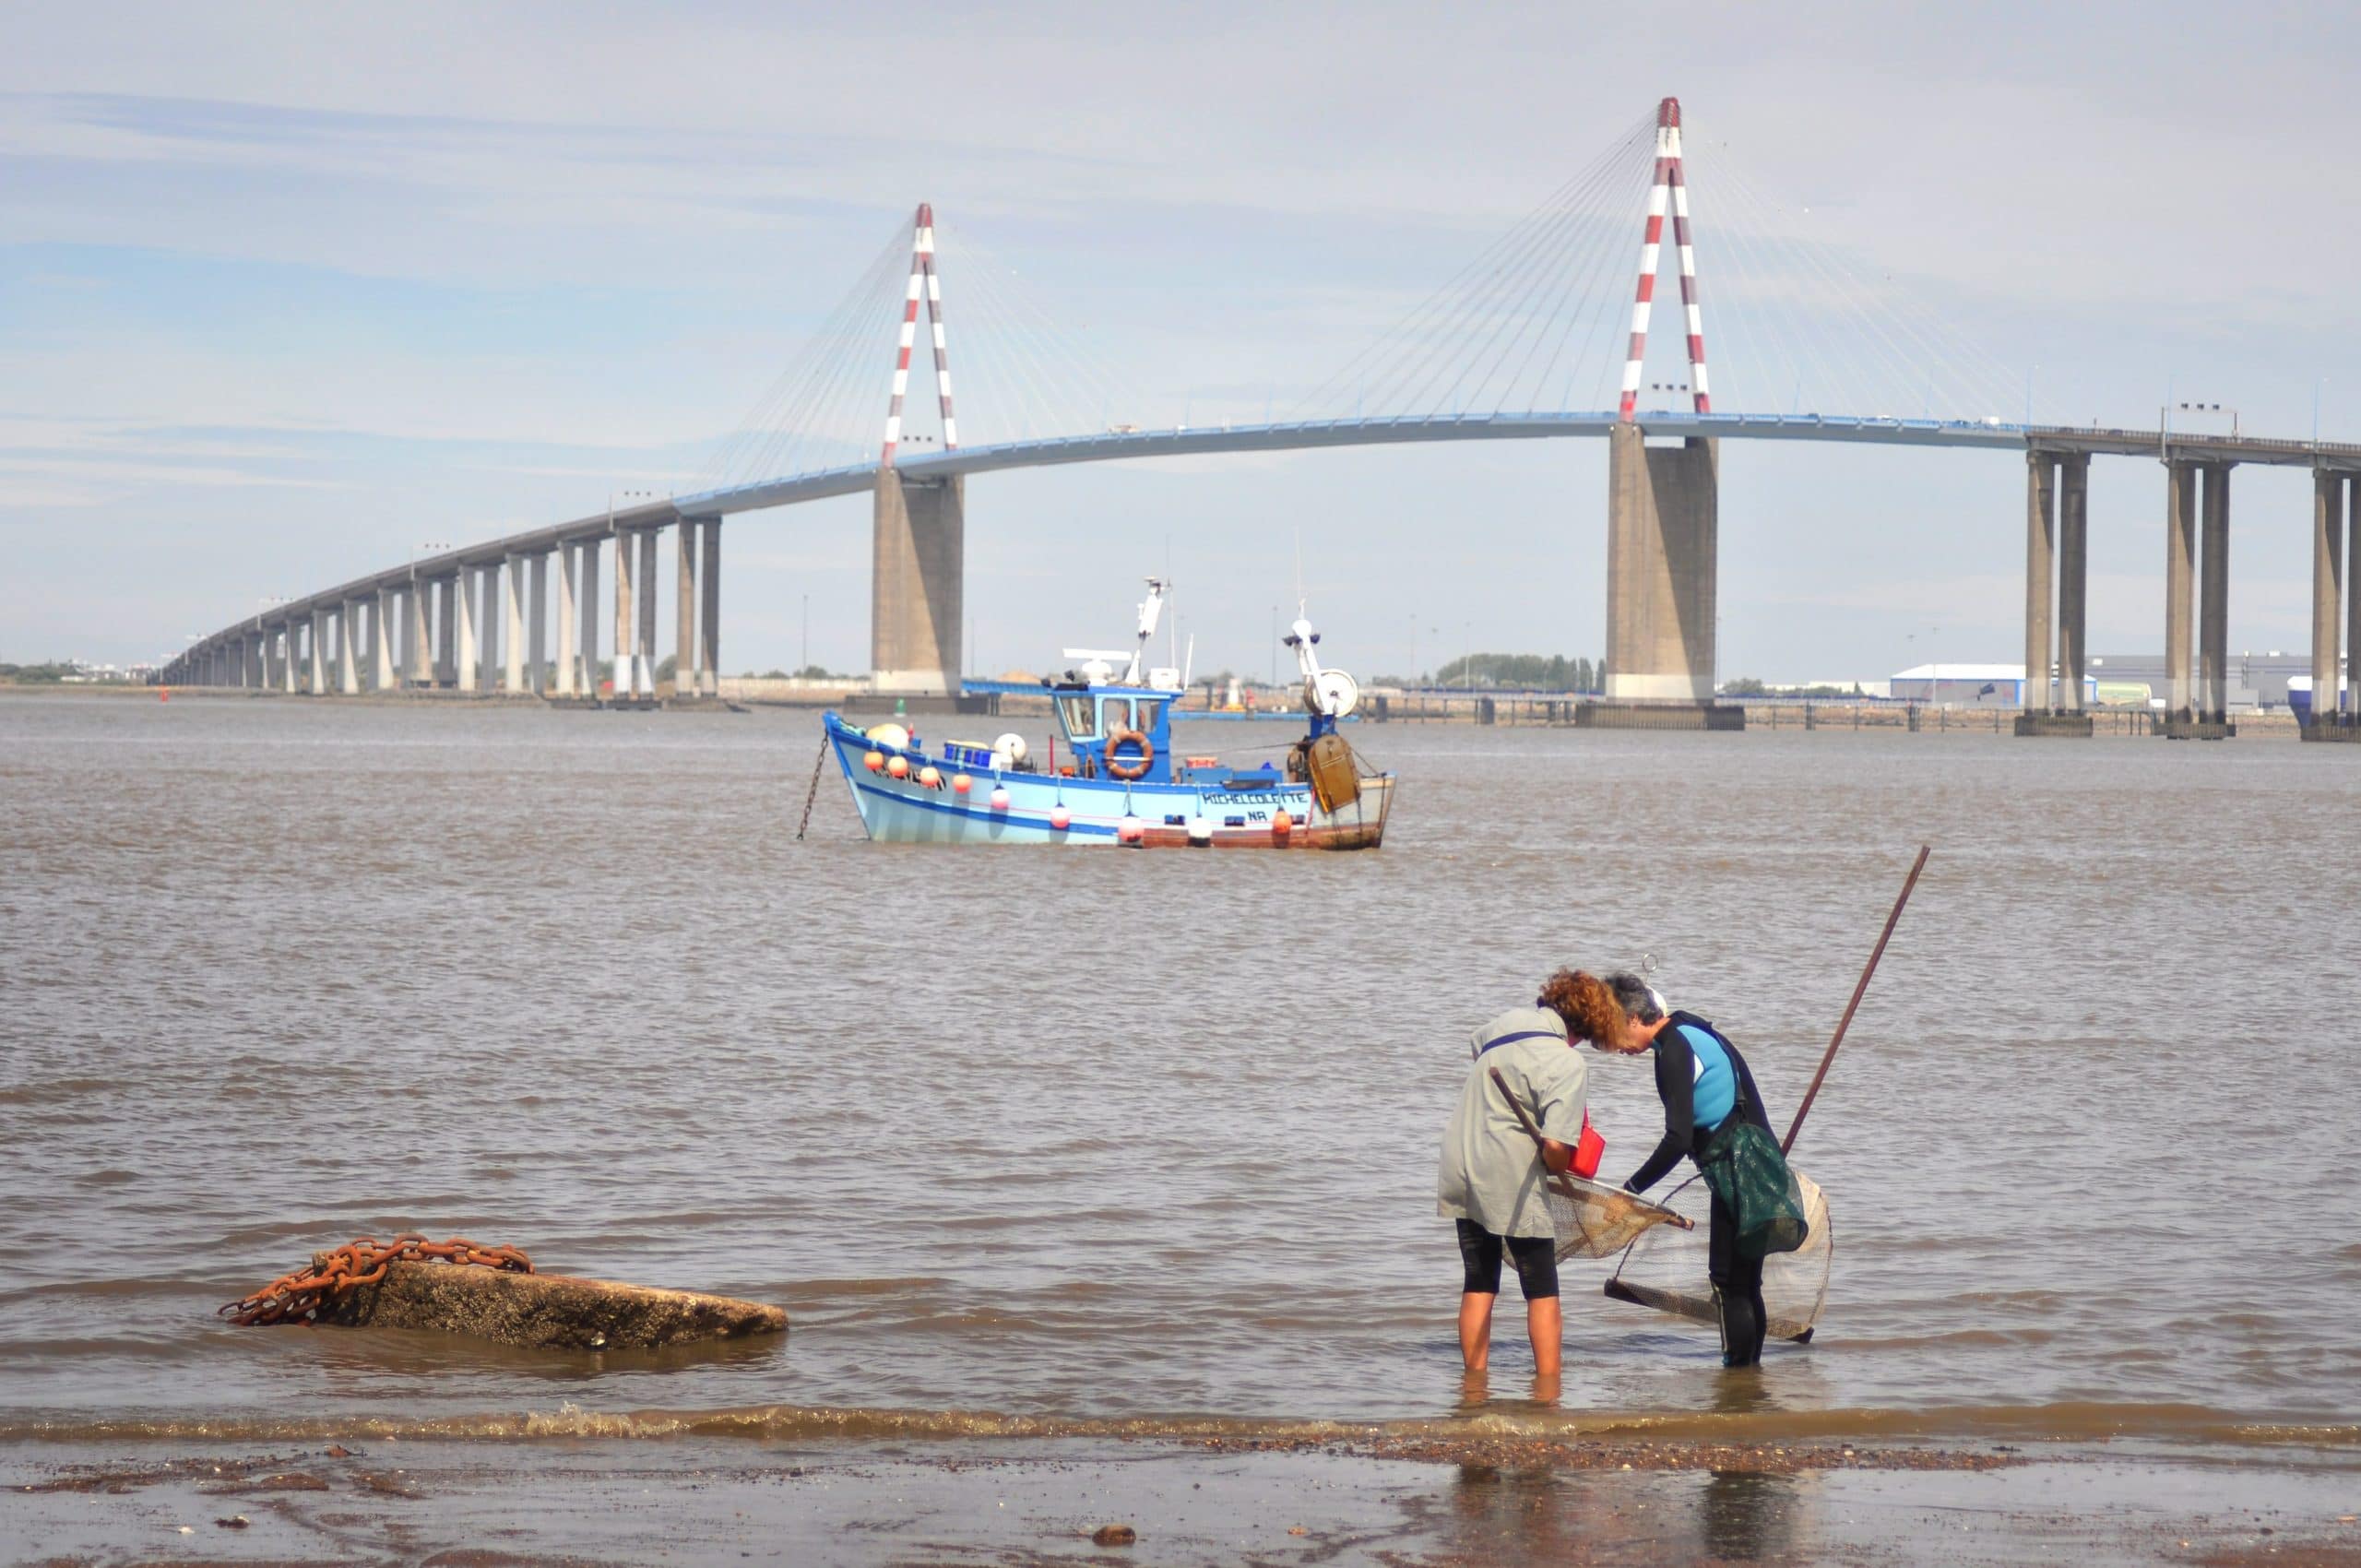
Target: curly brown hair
<point>1586,1002</point>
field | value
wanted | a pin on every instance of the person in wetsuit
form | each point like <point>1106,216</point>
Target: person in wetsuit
<point>1703,1082</point>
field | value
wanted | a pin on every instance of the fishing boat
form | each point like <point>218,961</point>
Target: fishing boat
<point>1116,779</point>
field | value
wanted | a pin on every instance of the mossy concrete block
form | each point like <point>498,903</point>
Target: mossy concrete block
<point>551,1312</point>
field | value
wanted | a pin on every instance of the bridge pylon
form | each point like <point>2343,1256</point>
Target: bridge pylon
<point>1663,505</point>
<point>918,558</point>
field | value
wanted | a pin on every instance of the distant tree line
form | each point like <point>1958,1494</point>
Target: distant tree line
<point>1521,672</point>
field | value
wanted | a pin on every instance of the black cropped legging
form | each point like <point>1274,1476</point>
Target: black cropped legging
<point>1737,1291</point>
<point>1480,1257</point>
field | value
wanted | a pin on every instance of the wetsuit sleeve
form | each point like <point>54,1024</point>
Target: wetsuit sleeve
<point>1676,1087</point>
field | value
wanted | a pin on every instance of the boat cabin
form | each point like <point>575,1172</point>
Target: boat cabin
<point>1120,733</point>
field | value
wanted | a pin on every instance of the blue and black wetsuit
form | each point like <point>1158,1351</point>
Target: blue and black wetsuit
<point>1704,1082</point>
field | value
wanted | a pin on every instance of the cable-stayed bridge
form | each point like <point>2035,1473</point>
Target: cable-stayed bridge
<point>1546,334</point>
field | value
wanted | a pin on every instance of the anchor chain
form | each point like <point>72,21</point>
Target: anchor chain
<point>299,1297</point>
<point>819,765</point>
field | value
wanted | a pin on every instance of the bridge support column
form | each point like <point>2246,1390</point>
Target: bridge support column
<point>511,578</point>
<point>709,665</point>
<point>2351,705</point>
<point>644,665</point>
<point>537,628</point>
<point>586,679</point>
<point>2180,574</point>
<point>286,680</point>
<point>916,584</point>
<point>1663,539</point>
<point>383,615</point>
<point>2041,558</point>
<point>347,648</point>
<point>447,599</point>
<point>2214,601</point>
<point>417,633</point>
<point>569,577</point>
<point>623,643</point>
<point>684,618</point>
<point>319,651</point>
<point>465,657</point>
<point>254,678</point>
<point>2056,554</point>
<point>488,622</point>
<point>2073,579</point>
<point>2328,546</point>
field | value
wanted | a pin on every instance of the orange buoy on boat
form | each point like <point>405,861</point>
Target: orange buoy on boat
<point>875,761</point>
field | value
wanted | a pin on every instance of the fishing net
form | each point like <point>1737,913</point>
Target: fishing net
<point>1594,1221</point>
<point>1665,1268</point>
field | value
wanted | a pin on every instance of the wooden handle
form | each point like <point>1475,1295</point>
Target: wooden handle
<point>1859,989</point>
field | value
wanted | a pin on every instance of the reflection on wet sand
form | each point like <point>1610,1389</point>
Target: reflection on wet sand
<point>1583,1516</point>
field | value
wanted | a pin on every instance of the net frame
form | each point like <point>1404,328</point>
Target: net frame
<point>1664,1269</point>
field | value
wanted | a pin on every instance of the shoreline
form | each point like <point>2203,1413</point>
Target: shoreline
<point>1021,1501</point>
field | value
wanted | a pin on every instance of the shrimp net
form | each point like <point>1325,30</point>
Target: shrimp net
<point>1665,1269</point>
<point>1594,1221</point>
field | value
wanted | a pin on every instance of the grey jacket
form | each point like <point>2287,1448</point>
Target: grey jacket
<point>1491,1174</point>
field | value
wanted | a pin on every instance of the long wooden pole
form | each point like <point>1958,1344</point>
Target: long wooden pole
<point>1851,1007</point>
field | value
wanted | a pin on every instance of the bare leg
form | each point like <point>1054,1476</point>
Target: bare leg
<point>1547,1324</point>
<point>1476,1330</point>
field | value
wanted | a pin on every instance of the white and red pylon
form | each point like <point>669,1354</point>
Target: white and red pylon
<point>922,278</point>
<point>1667,183</point>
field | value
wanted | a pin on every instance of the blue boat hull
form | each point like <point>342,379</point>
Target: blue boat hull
<point>1280,817</point>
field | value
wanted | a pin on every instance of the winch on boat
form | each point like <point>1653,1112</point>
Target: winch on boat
<point>1118,779</point>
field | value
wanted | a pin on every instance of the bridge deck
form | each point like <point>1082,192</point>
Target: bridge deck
<point>1119,445</point>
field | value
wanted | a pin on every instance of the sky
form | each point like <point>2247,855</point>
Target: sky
<point>289,293</point>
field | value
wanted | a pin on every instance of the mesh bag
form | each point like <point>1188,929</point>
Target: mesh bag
<point>1594,1221</point>
<point>1665,1269</point>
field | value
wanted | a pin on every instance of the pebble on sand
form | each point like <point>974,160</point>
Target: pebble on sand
<point>1114,1535</point>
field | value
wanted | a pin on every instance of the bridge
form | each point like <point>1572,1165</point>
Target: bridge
<point>478,619</point>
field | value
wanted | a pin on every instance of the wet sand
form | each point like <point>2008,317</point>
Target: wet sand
<point>1486,1500</point>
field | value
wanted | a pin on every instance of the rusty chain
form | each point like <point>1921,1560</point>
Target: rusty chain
<point>299,1297</point>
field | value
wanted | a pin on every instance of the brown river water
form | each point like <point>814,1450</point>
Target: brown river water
<point>1085,1141</point>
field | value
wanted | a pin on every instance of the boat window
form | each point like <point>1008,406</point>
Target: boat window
<point>1147,708</point>
<point>1112,712</point>
<point>1077,716</point>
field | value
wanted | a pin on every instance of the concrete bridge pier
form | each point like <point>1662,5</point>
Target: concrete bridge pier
<point>916,584</point>
<point>710,663</point>
<point>537,600</point>
<point>2213,599</point>
<point>252,658</point>
<point>418,637</point>
<point>465,656</point>
<point>569,579</point>
<point>587,676</point>
<point>511,609</point>
<point>318,650</point>
<point>684,609</point>
<point>644,663</point>
<point>2197,704</point>
<point>447,599</point>
<point>384,613</point>
<point>347,648</point>
<point>624,643</point>
<point>1662,543</point>
<point>2058,511</point>
<point>488,620</point>
<point>2333,529</point>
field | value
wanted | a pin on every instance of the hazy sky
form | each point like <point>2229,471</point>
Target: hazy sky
<point>287,292</point>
